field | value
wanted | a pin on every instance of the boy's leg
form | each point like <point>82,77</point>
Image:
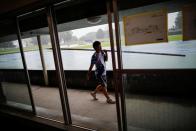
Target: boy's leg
<point>98,88</point>
<point>103,81</point>
<point>109,100</point>
<point>104,91</point>
<point>93,94</point>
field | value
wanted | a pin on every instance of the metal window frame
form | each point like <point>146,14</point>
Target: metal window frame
<point>120,66</point>
<point>119,117</point>
<point>120,99</point>
<point>58,65</point>
<point>25,66</point>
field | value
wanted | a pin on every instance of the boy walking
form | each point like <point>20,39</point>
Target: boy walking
<point>98,59</point>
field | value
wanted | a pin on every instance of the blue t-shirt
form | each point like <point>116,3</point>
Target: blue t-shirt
<point>99,60</point>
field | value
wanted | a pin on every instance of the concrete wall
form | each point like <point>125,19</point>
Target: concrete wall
<point>161,82</point>
<point>74,79</point>
<point>171,82</point>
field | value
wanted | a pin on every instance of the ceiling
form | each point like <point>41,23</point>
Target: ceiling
<point>71,14</point>
<point>11,5</point>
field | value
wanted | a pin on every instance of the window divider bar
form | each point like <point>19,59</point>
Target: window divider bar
<point>25,65</point>
<point>119,56</point>
<point>109,14</point>
<point>51,25</point>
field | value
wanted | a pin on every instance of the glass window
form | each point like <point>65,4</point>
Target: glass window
<point>77,43</point>
<point>13,88</point>
<point>157,55</point>
<point>40,63</point>
<point>157,84</point>
<point>76,39</point>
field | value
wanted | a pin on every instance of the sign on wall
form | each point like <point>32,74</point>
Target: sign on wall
<point>146,28</point>
<point>189,22</point>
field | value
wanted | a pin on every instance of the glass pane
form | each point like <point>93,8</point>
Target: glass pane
<point>41,67</point>
<point>174,54</point>
<point>13,87</point>
<point>76,39</point>
<point>79,45</point>
<point>158,85</point>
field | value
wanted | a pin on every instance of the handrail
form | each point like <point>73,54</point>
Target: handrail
<point>139,52</point>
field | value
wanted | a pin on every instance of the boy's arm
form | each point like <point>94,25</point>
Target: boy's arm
<point>106,55</point>
<point>89,71</point>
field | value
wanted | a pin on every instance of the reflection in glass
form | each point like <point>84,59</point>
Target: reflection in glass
<point>158,100</point>
<point>40,64</point>
<point>76,50</point>
<point>13,87</point>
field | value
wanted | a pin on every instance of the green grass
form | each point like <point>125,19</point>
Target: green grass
<point>174,37</point>
<point>104,44</point>
<point>17,50</point>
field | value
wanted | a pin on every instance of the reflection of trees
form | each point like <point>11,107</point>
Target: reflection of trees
<point>100,34</point>
<point>9,44</point>
<point>29,41</point>
<point>45,39</point>
<point>178,21</point>
<point>177,27</point>
<point>92,36</point>
<point>34,40</point>
<point>74,38</point>
<point>67,37</point>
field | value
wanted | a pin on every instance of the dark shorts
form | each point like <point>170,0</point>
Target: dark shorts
<point>101,79</point>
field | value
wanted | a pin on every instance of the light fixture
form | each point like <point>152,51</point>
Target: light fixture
<point>94,20</point>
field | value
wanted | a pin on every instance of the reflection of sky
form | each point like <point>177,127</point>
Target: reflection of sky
<point>80,60</point>
<point>83,31</point>
<point>171,19</point>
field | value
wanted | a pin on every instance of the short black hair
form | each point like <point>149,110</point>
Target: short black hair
<point>96,44</point>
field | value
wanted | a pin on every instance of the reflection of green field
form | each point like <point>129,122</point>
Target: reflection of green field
<point>107,44</point>
<point>174,37</point>
<point>17,50</point>
<point>104,44</point>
